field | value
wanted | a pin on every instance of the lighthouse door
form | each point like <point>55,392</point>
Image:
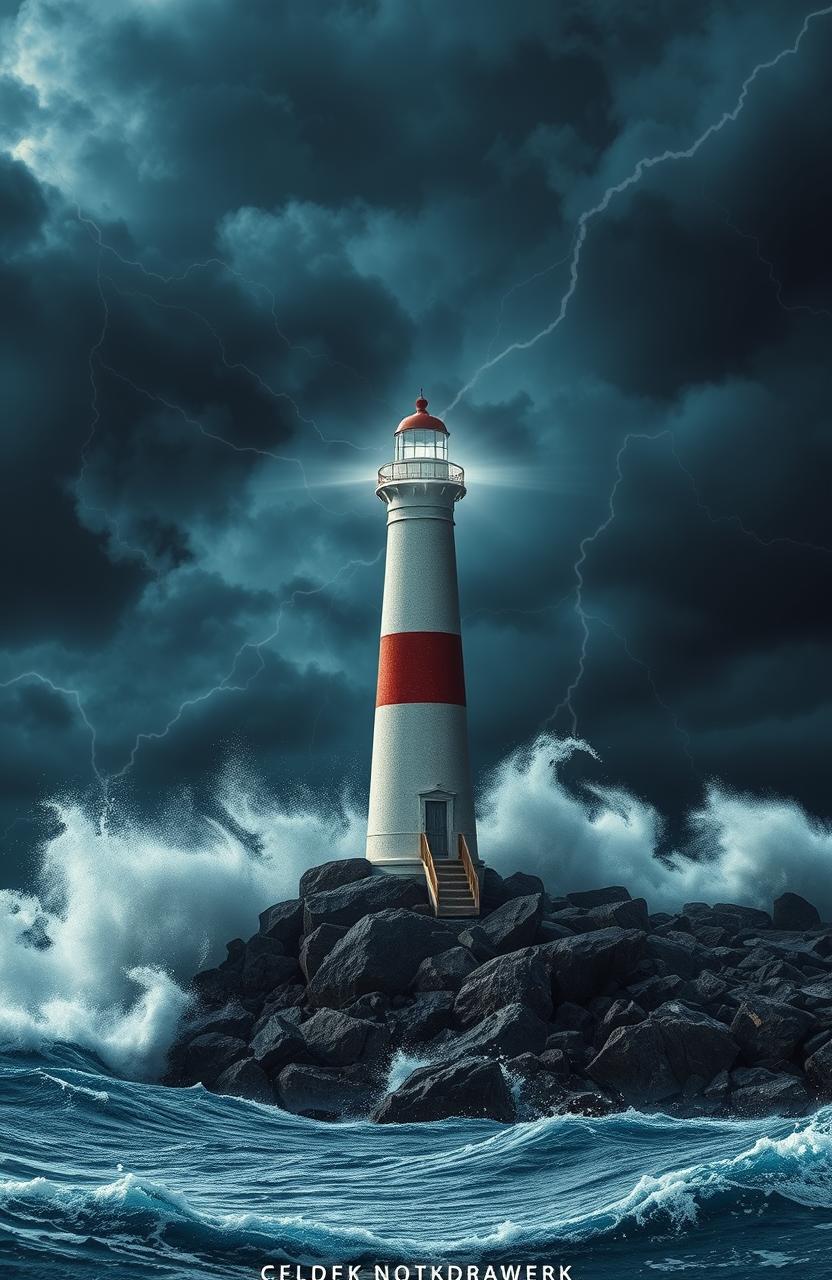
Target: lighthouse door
<point>436,827</point>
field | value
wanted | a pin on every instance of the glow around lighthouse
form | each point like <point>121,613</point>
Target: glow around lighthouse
<point>420,781</point>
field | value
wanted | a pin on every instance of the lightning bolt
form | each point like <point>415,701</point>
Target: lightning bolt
<point>74,696</point>
<point>640,168</point>
<point>774,279</point>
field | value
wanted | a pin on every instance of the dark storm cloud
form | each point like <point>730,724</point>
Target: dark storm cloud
<point>234,240</point>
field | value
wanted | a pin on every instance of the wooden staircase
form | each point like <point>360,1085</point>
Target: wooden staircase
<point>453,884</point>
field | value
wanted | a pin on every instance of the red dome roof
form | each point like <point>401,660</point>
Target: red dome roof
<point>422,419</point>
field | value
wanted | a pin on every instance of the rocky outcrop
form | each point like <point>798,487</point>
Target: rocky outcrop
<point>584,1003</point>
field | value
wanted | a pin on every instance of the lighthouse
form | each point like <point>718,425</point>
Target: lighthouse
<point>421,813</point>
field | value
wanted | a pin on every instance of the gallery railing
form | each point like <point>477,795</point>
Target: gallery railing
<point>421,469</point>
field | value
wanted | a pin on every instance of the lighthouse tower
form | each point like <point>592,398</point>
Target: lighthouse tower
<point>421,798</point>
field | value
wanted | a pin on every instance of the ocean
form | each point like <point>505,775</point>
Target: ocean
<point>105,1177</point>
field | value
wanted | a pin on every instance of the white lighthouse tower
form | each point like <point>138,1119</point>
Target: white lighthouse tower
<point>421,798</point>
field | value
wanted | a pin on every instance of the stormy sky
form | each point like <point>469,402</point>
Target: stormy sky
<point>235,240</point>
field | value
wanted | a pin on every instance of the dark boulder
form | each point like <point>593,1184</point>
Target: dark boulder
<point>682,954</point>
<point>768,1031</point>
<point>583,965</point>
<point>590,898</point>
<point>584,1100</point>
<point>793,912</point>
<point>634,1063</point>
<point>474,937</point>
<point>521,977</point>
<point>573,1017</point>
<point>569,1043</point>
<point>473,1088</point>
<point>492,891</point>
<point>331,875</point>
<point>215,987</point>
<point>321,1093</point>
<point>622,1013</point>
<point>751,917</point>
<point>233,1019</point>
<point>445,972</point>
<point>316,945</point>
<point>350,903</point>
<point>653,992</point>
<point>336,1040</point>
<point>510,1031</point>
<point>430,1013</point>
<point>208,1055</point>
<point>245,1079</point>
<point>265,965</point>
<point>382,952</point>
<point>283,921</point>
<point>756,1092</point>
<point>374,1006</point>
<point>818,1069</point>
<point>632,914</point>
<point>551,931</point>
<point>278,1043</point>
<point>521,885</point>
<point>515,923</point>
<point>696,1045</point>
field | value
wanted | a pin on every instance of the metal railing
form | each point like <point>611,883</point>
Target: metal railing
<point>470,870</point>
<point>421,469</point>
<point>430,871</point>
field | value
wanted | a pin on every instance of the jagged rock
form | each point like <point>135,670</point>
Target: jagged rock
<point>573,1017</point>
<point>382,952</point>
<point>520,977</point>
<point>583,965</point>
<point>428,1015</point>
<point>570,1043</point>
<point>556,1062</point>
<point>374,1006</point>
<point>622,1013</point>
<point>521,885</point>
<point>818,1069</point>
<point>233,1019</point>
<point>682,954</point>
<point>474,937</point>
<point>215,987</point>
<point>695,1044</point>
<point>752,917</point>
<point>572,919</point>
<point>208,1055</point>
<point>245,1079</point>
<point>505,1034</point>
<point>445,972</point>
<point>707,989</point>
<point>793,912</point>
<point>318,944</point>
<point>331,875</point>
<point>590,898</point>
<point>631,914</point>
<point>653,992</point>
<point>719,1088</point>
<point>551,931</point>
<point>768,1031</point>
<point>515,923</point>
<point>321,1093</point>
<point>634,1063</point>
<point>588,1102</point>
<point>474,1087</point>
<point>492,892</point>
<point>350,903</point>
<point>817,995</point>
<point>278,1043</point>
<point>265,965</point>
<point>336,1040</point>
<point>235,951</point>
<point>756,1092</point>
<point>283,921</point>
<point>287,996</point>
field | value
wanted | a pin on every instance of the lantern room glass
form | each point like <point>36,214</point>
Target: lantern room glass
<point>420,442</point>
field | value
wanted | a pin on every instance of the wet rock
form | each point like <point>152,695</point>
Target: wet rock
<point>818,1069</point>
<point>350,903</point>
<point>588,1101</point>
<point>757,1092</point>
<point>332,875</point>
<point>653,992</point>
<point>428,1015</point>
<point>492,890</point>
<point>573,1017</point>
<point>768,1031</point>
<point>215,987</point>
<point>634,1063</point>
<point>382,952</point>
<point>793,912</point>
<point>583,965</point>
<point>374,1006</point>
<point>719,1088</point>
<point>245,1079</point>
<point>515,923</point>
<point>336,1040</point>
<point>519,977</point>
<point>598,897</point>
<point>473,1088</point>
<point>817,995</point>
<point>474,937</point>
<point>695,1044</point>
<point>283,921</point>
<point>504,1034</point>
<point>751,917</point>
<point>551,931</point>
<point>321,1093</point>
<point>208,1055</point>
<point>232,1019</point>
<point>570,1043</point>
<point>318,944</point>
<point>278,1043</point>
<point>265,965</point>
<point>682,954</point>
<point>445,972</point>
<point>622,1013</point>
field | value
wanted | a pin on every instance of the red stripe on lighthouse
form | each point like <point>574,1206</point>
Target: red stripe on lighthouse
<point>420,666</point>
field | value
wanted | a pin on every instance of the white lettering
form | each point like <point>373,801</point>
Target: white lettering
<point>402,1273</point>
<point>548,1272</point>
<point>564,1273</point>
<point>267,1272</point>
<point>382,1272</point>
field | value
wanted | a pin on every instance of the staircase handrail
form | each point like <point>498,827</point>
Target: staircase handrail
<point>430,871</point>
<point>470,870</point>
